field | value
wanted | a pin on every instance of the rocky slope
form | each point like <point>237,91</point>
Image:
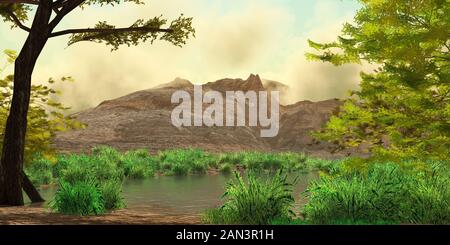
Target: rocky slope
<point>143,120</point>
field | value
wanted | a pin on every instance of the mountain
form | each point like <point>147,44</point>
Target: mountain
<point>143,120</point>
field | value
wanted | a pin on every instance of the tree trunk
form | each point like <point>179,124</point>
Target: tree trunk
<point>11,168</point>
<point>31,191</point>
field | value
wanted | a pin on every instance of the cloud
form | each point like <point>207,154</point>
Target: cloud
<point>233,44</point>
<point>312,80</point>
<point>234,38</point>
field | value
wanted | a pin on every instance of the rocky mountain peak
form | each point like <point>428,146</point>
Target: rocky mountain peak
<point>177,83</point>
<point>253,83</point>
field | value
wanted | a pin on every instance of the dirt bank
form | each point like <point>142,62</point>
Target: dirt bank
<point>28,215</point>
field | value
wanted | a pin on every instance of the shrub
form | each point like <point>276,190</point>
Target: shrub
<point>256,202</point>
<point>80,198</point>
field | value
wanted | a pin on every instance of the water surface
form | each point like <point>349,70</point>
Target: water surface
<point>182,194</point>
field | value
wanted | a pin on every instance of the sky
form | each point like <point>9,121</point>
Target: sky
<point>234,38</point>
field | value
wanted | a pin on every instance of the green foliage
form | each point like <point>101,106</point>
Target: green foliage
<point>288,221</point>
<point>403,107</point>
<point>80,198</point>
<point>19,10</point>
<point>105,163</point>
<point>138,164</point>
<point>185,161</point>
<point>45,114</point>
<point>112,195</point>
<point>40,171</point>
<point>140,31</point>
<point>233,158</point>
<point>383,192</point>
<point>98,174</point>
<point>83,167</point>
<point>257,201</point>
<point>156,28</point>
<point>226,168</point>
<point>266,161</point>
<point>77,170</point>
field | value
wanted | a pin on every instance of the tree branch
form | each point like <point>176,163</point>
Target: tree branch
<point>17,21</point>
<point>67,7</point>
<point>102,32</point>
<point>34,2</point>
<point>59,3</point>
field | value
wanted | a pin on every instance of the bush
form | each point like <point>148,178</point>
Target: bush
<point>256,202</point>
<point>384,192</point>
<point>80,198</point>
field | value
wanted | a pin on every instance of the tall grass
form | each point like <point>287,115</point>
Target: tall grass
<point>186,161</point>
<point>384,192</point>
<point>255,201</point>
<point>138,164</point>
<point>104,170</point>
<point>89,185</point>
<point>105,163</point>
<point>111,192</point>
<point>40,171</point>
<point>80,198</point>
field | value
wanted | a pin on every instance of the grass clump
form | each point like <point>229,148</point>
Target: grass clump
<point>40,171</point>
<point>80,198</point>
<point>89,184</point>
<point>382,192</point>
<point>111,192</point>
<point>186,161</point>
<point>138,164</point>
<point>256,201</point>
<point>226,168</point>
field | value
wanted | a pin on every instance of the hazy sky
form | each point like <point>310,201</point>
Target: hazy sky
<point>234,38</point>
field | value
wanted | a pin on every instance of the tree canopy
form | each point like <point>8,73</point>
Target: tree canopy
<point>402,107</point>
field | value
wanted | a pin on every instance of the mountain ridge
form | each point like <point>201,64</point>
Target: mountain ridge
<point>142,120</point>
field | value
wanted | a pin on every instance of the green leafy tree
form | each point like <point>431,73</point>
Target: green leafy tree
<point>47,15</point>
<point>403,107</point>
<point>46,116</point>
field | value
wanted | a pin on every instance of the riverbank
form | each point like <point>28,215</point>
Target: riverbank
<point>38,215</point>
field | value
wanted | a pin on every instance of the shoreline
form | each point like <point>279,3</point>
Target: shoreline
<point>38,215</point>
